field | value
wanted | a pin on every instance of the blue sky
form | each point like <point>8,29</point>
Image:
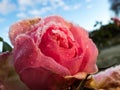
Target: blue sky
<point>81,12</point>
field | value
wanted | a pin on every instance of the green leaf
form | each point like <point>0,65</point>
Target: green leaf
<point>6,47</point>
<point>1,39</point>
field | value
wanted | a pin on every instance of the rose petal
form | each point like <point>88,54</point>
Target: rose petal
<point>109,78</point>
<point>89,61</point>
<point>42,79</point>
<point>28,55</point>
<point>56,19</point>
<point>21,27</point>
<point>87,49</point>
<point>81,37</point>
<point>80,75</point>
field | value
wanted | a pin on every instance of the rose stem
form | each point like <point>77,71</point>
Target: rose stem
<point>82,83</point>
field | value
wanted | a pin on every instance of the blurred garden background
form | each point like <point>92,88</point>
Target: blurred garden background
<point>101,18</point>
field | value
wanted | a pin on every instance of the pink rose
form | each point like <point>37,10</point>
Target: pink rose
<point>110,78</point>
<point>116,20</point>
<point>49,52</point>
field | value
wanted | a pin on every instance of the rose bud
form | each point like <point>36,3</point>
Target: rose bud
<point>50,51</point>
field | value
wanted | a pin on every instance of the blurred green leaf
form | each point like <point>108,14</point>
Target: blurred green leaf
<point>104,64</point>
<point>6,47</point>
<point>106,36</point>
<point>1,39</point>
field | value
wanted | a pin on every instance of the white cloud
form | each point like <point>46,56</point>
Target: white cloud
<point>56,3</point>
<point>43,2</point>
<point>2,20</point>
<point>51,5</point>
<point>76,6</point>
<point>45,9</point>
<point>6,6</point>
<point>34,12</point>
<point>62,4</point>
<point>37,12</point>
<point>89,6</point>
<point>88,1</point>
<point>66,8</point>
<point>25,2</point>
<point>21,15</point>
<point>4,33</point>
<point>59,4</point>
<point>41,7</point>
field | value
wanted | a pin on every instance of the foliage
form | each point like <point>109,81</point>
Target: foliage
<point>5,46</point>
<point>106,36</point>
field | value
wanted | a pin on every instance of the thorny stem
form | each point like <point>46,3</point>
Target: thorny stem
<point>82,83</point>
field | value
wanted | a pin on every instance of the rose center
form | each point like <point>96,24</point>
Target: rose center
<point>61,39</point>
<point>57,43</point>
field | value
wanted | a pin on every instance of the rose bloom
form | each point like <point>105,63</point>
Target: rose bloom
<point>116,20</point>
<point>110,78</point>
<point>49,52</point>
